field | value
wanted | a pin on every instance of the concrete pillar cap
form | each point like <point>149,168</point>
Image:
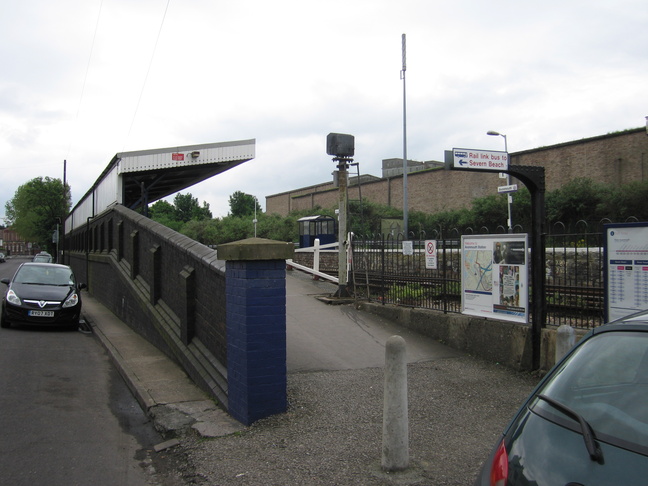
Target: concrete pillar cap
<point>256,249</point>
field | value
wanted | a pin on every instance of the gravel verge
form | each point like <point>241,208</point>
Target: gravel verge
<point>332,432</point>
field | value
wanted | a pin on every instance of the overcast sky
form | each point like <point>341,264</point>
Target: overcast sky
<point>83,80</point>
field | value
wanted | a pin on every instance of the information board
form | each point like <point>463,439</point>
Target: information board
<point>626,269</point>
<point>494,276</point>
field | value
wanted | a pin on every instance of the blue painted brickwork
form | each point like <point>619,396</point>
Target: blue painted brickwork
<point>256,338</point>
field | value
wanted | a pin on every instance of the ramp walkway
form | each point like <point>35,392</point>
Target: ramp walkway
<point>320,337</point>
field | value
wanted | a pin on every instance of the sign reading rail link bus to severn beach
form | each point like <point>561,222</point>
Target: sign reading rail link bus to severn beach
<point>479,159</point>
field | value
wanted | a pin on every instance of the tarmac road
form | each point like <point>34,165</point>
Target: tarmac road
<point>66,416</point>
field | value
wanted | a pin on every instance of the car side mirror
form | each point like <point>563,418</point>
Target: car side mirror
<point>5,281</point>
<point>81,286</point>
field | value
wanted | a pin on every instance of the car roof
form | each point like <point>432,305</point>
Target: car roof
<point>633,322</point>
<point>641,316</point>
<point>42,264</point>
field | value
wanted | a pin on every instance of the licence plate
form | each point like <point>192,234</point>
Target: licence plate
<point>37,313</point>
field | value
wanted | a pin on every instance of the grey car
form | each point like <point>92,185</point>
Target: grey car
<point>587,421</point>
<point>42,257</point>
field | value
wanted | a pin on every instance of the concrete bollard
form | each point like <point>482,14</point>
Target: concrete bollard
<point>395,450</point>
<point>565,340</point>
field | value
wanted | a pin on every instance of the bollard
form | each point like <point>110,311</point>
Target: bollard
<point>565,340</point>
<point>395,451</point>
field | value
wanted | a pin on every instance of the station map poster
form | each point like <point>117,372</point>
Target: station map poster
<point>626,269</point>
<point>494,277</point>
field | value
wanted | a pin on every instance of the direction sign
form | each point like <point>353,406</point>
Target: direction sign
<point>480,159</point>
<point>505,189</point>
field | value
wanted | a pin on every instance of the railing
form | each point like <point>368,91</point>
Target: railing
<point>315,260</point>
<point>575,292</point>
<point>382,273</point>
<point>574,266</point>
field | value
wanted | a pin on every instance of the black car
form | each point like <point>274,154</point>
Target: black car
<point>586,423</point>
<point>42,294</point>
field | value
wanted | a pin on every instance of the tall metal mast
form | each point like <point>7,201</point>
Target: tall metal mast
<point>405,203</point>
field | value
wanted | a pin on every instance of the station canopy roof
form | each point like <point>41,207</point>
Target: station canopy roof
<point>149,175</point>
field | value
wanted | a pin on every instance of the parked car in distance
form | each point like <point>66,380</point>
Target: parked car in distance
<point>42,257</point>
<point>41,294</point>
<point>2,258</point>
<point>586,423</point>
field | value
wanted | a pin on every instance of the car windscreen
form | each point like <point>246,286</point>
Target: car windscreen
<point>605,381</point>
<point>37,275</point>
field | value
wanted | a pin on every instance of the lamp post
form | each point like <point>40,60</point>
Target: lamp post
<point>508,180</point>
<point>405,202</point>
<point>255,220</point>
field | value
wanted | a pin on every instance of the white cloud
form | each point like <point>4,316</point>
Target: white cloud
<point>289,72</point>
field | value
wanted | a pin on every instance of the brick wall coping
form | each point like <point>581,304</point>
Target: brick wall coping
<point>256,249</point>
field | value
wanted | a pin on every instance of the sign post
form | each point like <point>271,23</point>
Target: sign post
<point>533,177</point>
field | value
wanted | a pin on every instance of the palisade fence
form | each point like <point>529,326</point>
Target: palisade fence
<point>574,273</point>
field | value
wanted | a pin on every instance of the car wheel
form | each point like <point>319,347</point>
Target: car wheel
<point>4,323</point>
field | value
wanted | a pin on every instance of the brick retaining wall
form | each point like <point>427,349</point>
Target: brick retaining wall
<point>167,287</point>
<point>223,321</point>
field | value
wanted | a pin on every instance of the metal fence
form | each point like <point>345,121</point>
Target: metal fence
<point>574,275</point>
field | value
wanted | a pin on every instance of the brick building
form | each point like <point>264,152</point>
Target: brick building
<point>615,158</point>
<point>11,243</point>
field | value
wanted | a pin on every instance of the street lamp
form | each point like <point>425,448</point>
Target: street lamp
<point>255,220</point>
<point>508,179</point>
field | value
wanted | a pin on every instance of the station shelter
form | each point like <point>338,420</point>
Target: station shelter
<point>312,227</point>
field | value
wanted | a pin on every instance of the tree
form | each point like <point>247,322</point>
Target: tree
<point>187,208</point>
<point>242,204</point>
<point>579,199</point>
<point>37,207</point>
<point>161,209</point>
<point>165,213</point>
<point>627,201</point>
<point>206,231</point>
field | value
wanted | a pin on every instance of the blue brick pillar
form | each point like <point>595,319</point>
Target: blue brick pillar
<point>256,327</point>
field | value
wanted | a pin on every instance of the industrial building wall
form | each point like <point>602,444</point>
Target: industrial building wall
<point>616,159</point>
<point>610,159</point>
<point>430,191</point>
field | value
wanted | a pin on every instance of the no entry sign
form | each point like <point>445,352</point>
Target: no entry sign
<point>430,254</point>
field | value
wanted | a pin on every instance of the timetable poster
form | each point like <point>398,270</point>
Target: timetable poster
<point>626,269</point>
